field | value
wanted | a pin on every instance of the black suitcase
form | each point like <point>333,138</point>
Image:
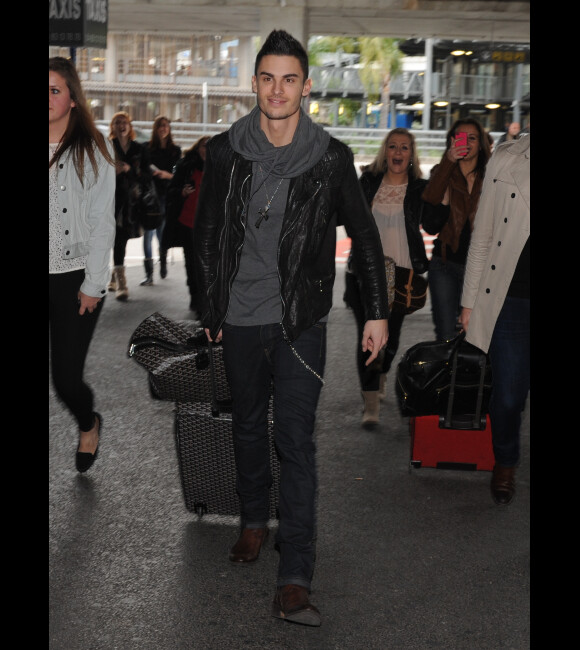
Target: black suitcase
<point>205,450</point>
<point>461,438</point>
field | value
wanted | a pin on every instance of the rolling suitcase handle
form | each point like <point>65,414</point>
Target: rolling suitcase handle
<point>217,405</point>
<point>479,420</point>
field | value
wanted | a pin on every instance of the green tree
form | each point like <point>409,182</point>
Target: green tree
<point>325,44</point>
<point>381,61</point>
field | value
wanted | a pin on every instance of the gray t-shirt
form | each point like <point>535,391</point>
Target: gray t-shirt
<point>255,296</point>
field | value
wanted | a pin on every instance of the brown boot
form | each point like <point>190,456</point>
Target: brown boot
<point>112,286</point>
<point>370,417</point>
<point>291,603</point>
<point>247,548</point>
<point>383,386</point>
<point>503,485</point>
<point>122,292</point>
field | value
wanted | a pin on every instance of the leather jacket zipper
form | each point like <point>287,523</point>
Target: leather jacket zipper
<point>288,230</point>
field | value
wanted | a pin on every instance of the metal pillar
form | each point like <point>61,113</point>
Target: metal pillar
<point>517,94</point>
<point>427,84</point>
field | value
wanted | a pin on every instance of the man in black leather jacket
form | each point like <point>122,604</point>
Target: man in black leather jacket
<point>275,187</point>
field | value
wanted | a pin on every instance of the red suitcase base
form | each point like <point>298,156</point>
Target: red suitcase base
<point>433,446</point>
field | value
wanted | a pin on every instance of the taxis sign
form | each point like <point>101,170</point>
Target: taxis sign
<point>78,23</point>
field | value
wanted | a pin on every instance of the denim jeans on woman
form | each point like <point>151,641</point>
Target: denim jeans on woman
<point>509,354</point>
<point>148,240</point>
<point>445,288</point>
<point>254,357</point>
<point>148,234</point>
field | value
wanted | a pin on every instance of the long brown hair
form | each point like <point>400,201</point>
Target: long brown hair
<point>204,139</point>
<point>81,135</point>
<point>379,164</point>
<point>484,149</point>
<point>155,141</point>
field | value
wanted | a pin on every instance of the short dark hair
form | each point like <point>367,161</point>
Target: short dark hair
<point>280,43</point>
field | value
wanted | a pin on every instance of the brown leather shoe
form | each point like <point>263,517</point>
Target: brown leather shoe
<point>291,603</point>
<point>503,486</point>
<point>247,548</point>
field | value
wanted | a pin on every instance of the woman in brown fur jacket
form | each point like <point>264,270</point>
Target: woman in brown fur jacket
<point>456,181</point>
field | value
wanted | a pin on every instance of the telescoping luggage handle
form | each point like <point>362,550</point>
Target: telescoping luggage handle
<point>478,421</point>
<point>217,405</point>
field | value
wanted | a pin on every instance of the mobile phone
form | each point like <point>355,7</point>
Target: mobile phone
<point>154,168</point>
<point>461,139</point>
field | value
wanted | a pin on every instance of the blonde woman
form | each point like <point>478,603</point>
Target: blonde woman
<point>392,186</point>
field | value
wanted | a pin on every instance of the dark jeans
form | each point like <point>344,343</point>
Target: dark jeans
<point>445,288</point>
<point>70,337</point>
<point>369,376</point>
<point>120,246</point>
<point>148,241</point>
<point>509,353</point>
<point>185,235</point>
<point>254,357</point>
<point>148,235</point>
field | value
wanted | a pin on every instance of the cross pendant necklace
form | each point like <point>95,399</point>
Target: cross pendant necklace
<point>263,212</point>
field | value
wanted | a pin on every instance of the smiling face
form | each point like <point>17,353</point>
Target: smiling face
<point>280,86</point>
<point>163,129</point>
<point>121,126</point>
<point>399,152</point>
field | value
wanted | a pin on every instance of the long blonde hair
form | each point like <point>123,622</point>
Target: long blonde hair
<point>379,165</point>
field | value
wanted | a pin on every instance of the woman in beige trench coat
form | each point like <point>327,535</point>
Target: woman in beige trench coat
<point>496,301</point>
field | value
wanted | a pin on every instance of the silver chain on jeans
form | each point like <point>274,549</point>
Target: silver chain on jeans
<point>305,364</point>
<point>301,359</point>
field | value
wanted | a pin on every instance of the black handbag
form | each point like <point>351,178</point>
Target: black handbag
<point>410,291</point>
<point>146,205</point>
<point>432,373</point>
<point>175,355</point>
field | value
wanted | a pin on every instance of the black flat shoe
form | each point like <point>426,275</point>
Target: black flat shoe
<point>84,459</point>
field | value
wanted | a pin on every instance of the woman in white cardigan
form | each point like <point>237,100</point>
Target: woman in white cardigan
<point>496,301</point>
<point>81,231</point>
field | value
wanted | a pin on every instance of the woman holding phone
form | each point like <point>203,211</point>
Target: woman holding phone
<point>456,181</point>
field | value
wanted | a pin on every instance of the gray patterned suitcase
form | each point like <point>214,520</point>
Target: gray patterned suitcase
<point>205,449</point>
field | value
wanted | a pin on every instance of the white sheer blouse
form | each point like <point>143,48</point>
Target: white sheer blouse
<point>389,215</point>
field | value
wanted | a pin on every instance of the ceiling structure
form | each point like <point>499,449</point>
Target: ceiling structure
<point>500,21</point>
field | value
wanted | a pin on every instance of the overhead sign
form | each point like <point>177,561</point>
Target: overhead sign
<point>505,56</point>
<point>78,23</point>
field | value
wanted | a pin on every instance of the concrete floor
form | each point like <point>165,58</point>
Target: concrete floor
<point>409,559</point>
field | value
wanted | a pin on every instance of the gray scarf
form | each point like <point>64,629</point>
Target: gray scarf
<point>308,145</point>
